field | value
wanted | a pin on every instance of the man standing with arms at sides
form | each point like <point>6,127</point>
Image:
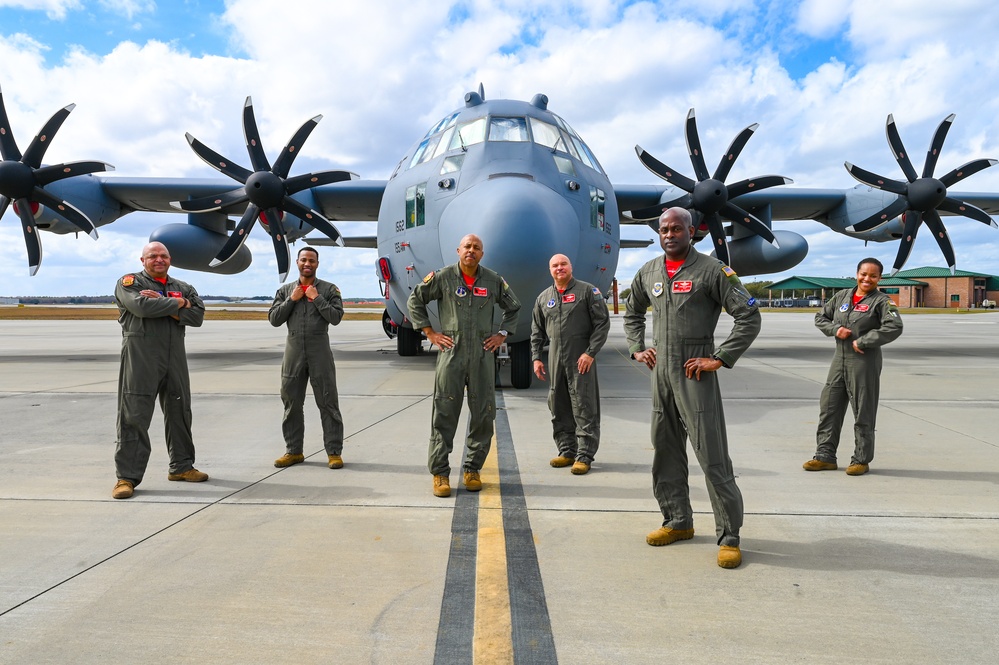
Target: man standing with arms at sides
<point>687,290</point>
<point>466,294</point>
<point>308,305</point>
<point>154,311</point>
<point>573,316</point>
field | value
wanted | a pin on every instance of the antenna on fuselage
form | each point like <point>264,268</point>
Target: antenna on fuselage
<point>482,92</point>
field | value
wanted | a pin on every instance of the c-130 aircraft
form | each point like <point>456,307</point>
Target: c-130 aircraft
<point>511,172</point>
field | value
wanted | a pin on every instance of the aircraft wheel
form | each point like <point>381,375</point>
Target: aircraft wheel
<point>388,325</point>
<point>408,341</point>
<point>521,367</point>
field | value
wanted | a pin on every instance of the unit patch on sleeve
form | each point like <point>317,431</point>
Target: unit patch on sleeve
<point>430,276</point>
<point>128,280</point>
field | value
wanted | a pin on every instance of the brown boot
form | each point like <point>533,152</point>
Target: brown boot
<point>336,462</point>
<point>729,557</point>
<point>122,489</point>
<point>664,535</point>
<point>560,461</point>
<point>472,481</point>
<point>191,476</point>
<point>818,465</point>
<point>442,486</point>
<point>857,469</point>
<point>288,459</point>
<point>579,468</point>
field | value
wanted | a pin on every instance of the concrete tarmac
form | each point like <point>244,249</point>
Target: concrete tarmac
<point>363,564</point>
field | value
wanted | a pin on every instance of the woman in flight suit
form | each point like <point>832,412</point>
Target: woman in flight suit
<point>862,320</point>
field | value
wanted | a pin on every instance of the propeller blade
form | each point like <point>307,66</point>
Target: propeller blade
<point>756,184</point>
<point>876,181</point>
<point>217,161</point>
<point>238,237</point>
<point>963,171</point>
<point>967,210</point>
<point>912,219</point>
<point>281,251</point>
<point>718,240</point>
<point>31,240</point>
<point>8,147</point>
<point>734,150</point>
<point>287,157</point>
<point>300,182</point>
<point>36,149</point>
<point>739,216</point>
<point>895,141</point>
<point>664,172</point>
<point>4,202</point>
<point>892,211</point>
<point>67,211</point>
<point>313,218</point>
<point>258,159</point>
<point>932,220</point>
<point>694,147</point>
<point>49,174</point>
<point>215,202</point>
<point>933,154</point>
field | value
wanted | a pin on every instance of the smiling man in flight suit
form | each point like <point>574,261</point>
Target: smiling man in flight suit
<point>308,306</point>
<point>573,316</point>
<point>687,290</point>
<point>154,311</point>
<point>466,294</point>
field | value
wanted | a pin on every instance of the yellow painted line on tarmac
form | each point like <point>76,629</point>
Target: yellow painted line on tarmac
<point>492,640</point>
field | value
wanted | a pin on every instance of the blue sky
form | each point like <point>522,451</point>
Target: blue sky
<point>819,76</point>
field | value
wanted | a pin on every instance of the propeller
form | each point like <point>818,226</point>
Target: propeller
<point>709,195</point>
<point>920,197</point>
<point>267,189</point>
<point>23,180</point>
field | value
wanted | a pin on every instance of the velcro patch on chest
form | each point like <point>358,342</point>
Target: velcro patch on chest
<point>174,294</point>
<point>683,286</point>
<point>569,297</point>
<point>480,291</point>
<point>861,308</point>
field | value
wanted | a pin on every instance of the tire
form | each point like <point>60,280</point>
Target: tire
<point>521,367</point>
<point>408,342</point>
<point>391,330</point>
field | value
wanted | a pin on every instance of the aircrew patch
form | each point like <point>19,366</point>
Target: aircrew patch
<point>128,280</point>
<point>861,308</point>
<point>569,297</point>
<point>683,286</point>
<point>430,276</point>
<point>657,289</point>
<point>480,291</point>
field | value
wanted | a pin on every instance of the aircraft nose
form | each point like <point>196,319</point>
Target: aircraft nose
<point>521,224</point>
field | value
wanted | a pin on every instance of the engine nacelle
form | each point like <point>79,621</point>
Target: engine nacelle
<point>193,248</point>
<point>753,255</point>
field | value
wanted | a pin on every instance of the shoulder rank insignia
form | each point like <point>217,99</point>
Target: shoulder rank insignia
<point>128,280</point>
<point>430,276</point>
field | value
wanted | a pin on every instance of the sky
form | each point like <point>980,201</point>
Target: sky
<point>819,76</point>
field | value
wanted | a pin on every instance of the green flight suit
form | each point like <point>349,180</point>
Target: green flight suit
<point>575,322</point>
<point>685,312</point>
<point>309,358</point>
<point>154,364</point>
<point>466,316</point>
<point>854,378</point>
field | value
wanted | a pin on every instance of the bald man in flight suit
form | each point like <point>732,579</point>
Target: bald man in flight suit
<point>467,294</point>
<point>573,316</point>
<point>154,311</point>
<point>687,290</point>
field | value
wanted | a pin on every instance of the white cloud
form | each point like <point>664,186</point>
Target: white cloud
<point>54,9</point>
<point>620,73</point>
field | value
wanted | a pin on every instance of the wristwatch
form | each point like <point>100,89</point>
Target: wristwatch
<point>502,332</point>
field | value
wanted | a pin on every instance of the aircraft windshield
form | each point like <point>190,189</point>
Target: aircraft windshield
<point>508,129</point>
<point>469,134</point>
<point>544,133</point>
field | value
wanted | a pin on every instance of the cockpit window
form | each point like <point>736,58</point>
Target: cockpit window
<point>544,133</point>
<point>564,165</point>
<point>452,163</point>
<point>444,143</point>
<point>508,129</point>
<point>583,153</point>
<point>469,134</point>
<point>419,153</point>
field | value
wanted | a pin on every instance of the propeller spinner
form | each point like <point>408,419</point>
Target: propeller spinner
<point>709,195</point>
<point>23,180</point>
<point>919,198</point>
<point>266,189</point>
